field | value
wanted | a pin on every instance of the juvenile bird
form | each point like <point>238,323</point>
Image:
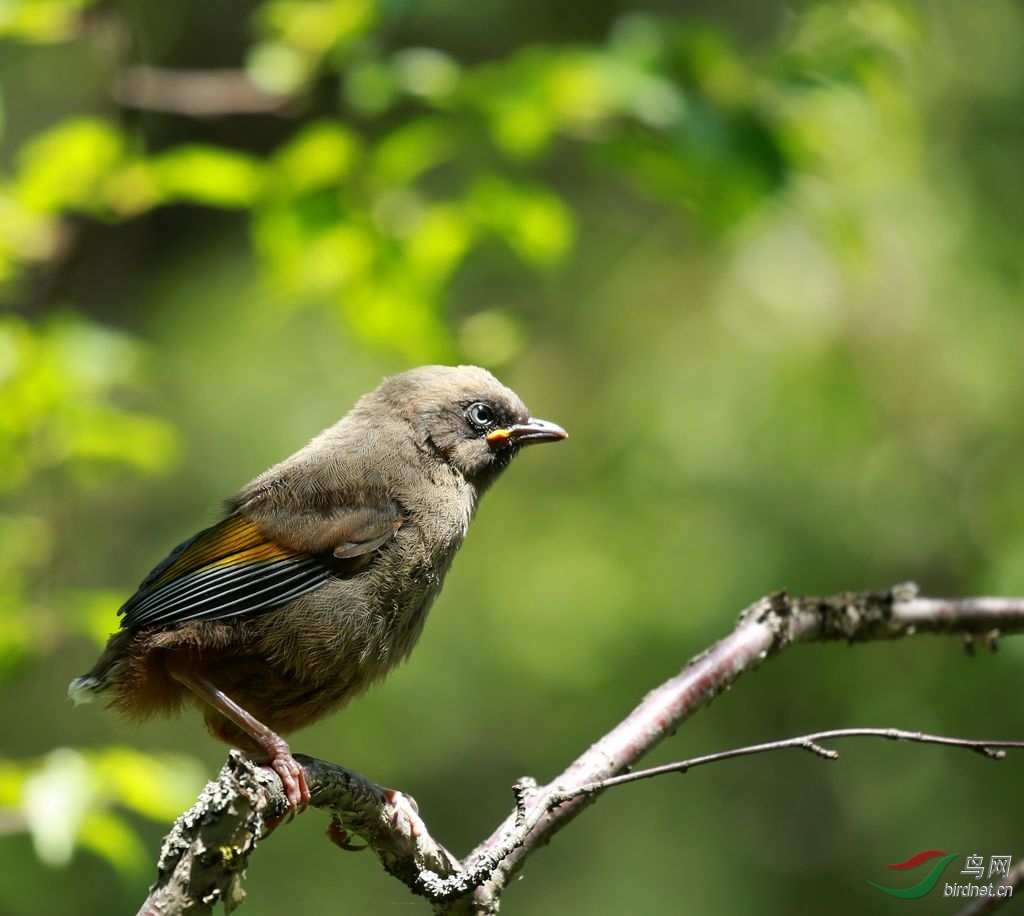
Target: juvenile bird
<point>318,579</point>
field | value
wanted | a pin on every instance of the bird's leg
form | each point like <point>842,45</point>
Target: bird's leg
<point>279,755</point>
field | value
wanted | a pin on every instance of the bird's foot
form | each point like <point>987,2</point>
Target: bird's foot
<point>341,838</point>
<point>278,757</point>
<point>293,778</point>
<point>404,808</point>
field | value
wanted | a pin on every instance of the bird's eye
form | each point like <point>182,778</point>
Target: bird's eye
<point>480,415</point>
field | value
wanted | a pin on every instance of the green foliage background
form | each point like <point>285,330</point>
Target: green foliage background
<point>763,262</point>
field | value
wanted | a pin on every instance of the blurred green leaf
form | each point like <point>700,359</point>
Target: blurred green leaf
<point>406,153</point>
<point>57,401</point>
<point>440,240</point>
<point>317,26</point>
<point>276,67</point>
<point>110,837</point>
<point>157,787</point>
<point>65,167</point>
<point>56,799</point>
<point>535,223</point>
<point>370,87</point>
<point>69,799</point>
<point>322,155</point>
<point>427,72</point>
<point>92,611</point>
<point>209,175</point>
<point>42,20</point>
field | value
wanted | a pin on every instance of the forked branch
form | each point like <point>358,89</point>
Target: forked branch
<point>204,856</point>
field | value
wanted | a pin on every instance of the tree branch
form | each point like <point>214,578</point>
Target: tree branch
<point>195,93</point>
<point>206,852</point>
<point>208,849</point>
<point>990,904</point>
<point>764,630</point>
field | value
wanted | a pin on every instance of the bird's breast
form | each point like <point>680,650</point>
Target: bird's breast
<point>354,629</point>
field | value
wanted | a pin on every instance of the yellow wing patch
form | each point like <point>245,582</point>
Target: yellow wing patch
<point>224,571</point>
<point>233,541</point>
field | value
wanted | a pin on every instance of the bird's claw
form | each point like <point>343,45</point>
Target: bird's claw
<point>293,779</point>
<point>340,837</point>
<point>404,807</point>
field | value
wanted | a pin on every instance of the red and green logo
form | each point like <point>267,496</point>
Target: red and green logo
<point>927,882</point>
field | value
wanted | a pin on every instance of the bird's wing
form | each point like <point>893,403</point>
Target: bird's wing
<point>235,567</point>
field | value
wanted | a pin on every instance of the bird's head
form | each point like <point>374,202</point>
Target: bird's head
<point>467,417</point>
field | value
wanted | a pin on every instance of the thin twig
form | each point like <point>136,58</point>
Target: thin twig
<point>990,749</point>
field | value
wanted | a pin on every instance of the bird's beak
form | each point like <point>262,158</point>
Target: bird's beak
<point>527,433</point>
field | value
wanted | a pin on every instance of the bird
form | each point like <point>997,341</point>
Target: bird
<point>317,580</point>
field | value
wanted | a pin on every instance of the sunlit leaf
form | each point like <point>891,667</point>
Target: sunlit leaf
<point>25,235</point>
<point>57,402</point>
<point>132,189</point>
<point>56,799</point>
<point>135,441</point>
<point>320,156</point>
<point>427,72</point>
<point>65,167</point>
<point>577,89</point>
<point>109,836</point>
<point>277,67</point>
<point>534,222</point>
<point>638,38</point>
<point>405,154</point>
<point>397,316</point>
<point>316,26</point>
<point>93,612</point>
<point>12,781</point>
<point>42,20</point>
<point>69,799</point>
<point>209,175</point>
<point>521,127</point>
<point>370,87</point>
<point>439,242</point>
<point>158,787</point>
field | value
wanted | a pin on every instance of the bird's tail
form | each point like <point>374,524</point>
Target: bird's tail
<point>86,689</point>
<point>102,681</point>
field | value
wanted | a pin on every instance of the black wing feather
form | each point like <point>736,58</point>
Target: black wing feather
<point>226,570</point>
